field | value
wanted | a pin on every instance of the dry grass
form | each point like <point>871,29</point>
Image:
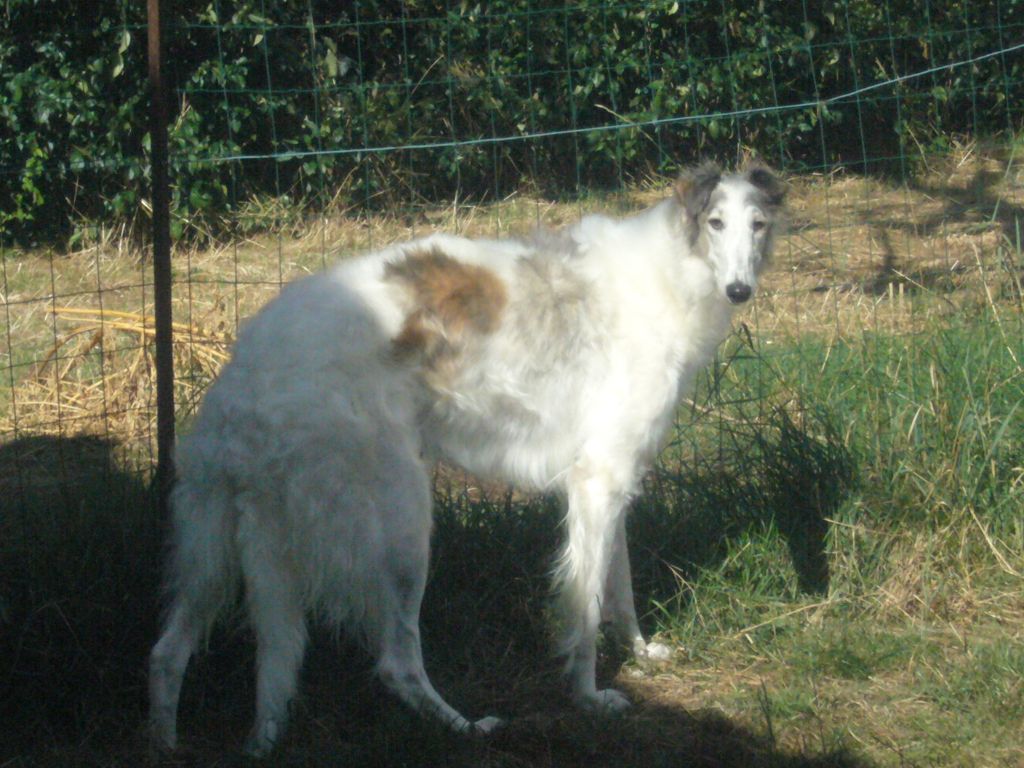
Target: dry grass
<point>867,255</point>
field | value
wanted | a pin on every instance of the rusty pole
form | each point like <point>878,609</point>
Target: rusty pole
<point>160,196</point>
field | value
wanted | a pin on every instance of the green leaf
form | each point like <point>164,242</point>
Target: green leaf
<point>331,62</point>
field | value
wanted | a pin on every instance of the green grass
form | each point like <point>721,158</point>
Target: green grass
<point>914,650</point>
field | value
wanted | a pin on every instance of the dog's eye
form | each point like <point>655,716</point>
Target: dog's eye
<point>758,225</point>
<point>716,224</point>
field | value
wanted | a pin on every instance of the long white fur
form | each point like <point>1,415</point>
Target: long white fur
<point>306,476</point>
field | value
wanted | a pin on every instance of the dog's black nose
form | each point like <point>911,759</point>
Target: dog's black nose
<point>737,292</point>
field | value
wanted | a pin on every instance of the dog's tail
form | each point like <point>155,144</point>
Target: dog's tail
<point>203,571</point>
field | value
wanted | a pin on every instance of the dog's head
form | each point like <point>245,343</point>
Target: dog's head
<point>730,220</point>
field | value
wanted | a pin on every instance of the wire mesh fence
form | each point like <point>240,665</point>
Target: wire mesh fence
<point>301,133</point>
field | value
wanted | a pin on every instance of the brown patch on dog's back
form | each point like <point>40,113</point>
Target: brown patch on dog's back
<point>452,303</point>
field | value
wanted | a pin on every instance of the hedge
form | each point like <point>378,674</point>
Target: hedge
<point>284,99</point>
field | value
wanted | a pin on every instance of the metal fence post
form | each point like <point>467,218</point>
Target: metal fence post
<point>161,262</point>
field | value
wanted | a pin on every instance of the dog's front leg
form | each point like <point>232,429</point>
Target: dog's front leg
<point>619,608</point>
<point>596,504</point>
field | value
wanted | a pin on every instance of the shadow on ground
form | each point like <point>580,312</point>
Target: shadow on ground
<point>650,736</point>
<point>79,582</point>
<point>786,471</point>
<point>79,540</point>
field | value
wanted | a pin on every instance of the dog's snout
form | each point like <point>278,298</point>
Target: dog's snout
<point>737,292</point>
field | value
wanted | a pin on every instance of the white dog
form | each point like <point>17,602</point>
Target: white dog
<point>556,362</point>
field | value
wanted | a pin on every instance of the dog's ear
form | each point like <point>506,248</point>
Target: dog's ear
<point>694,187</point>
<point>762,177</point>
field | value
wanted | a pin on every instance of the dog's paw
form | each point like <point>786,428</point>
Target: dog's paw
<point>487,725</point>
<point>262,739</point>
<point>162,734</point>
<point>656,652</point>
<point>609,701</point>
<point>160,740</point>
<point>651,652</point>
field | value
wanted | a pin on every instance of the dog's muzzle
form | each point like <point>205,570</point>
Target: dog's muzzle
<point>738,292</point>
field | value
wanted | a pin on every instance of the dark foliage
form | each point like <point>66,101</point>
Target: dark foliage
<point>299,100</point>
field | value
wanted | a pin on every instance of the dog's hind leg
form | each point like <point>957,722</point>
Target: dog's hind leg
<point>402,574</point>
<point>277,617</point>
<point>618,607</point>
<point>167,664</point>
<point>401,669</point>
<point>201,578</point>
